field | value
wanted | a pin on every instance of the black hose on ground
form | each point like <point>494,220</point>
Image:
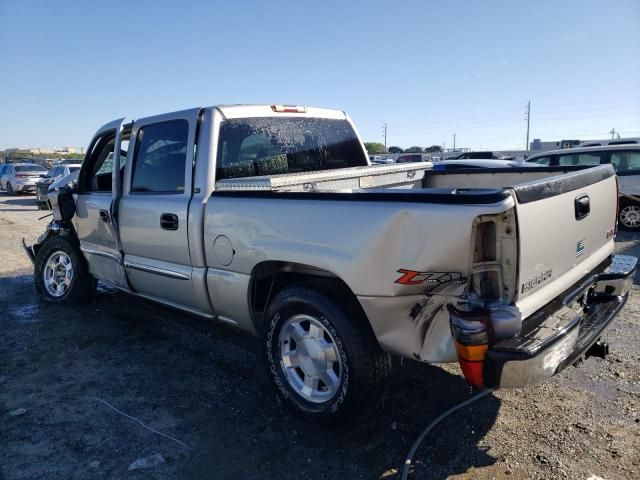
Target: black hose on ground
<point>425,432</point>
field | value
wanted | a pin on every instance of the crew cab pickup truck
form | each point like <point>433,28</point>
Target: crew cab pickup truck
<point>270,218</point>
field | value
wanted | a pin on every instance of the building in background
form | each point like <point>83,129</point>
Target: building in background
<point>539,146</point>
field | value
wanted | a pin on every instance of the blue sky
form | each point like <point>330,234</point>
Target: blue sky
<point>427,68</point>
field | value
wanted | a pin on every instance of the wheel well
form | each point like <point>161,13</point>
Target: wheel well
<point>270,278</point>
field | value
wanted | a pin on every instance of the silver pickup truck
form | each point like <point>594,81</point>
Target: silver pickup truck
<point>270,218</point>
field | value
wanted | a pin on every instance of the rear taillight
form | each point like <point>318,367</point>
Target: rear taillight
<point>492,273</point>
<point>21,175</point>
<point>491,294</point>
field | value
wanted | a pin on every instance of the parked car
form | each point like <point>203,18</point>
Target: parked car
<point>270,218</point>
<point>470,164</point>
<point>480,156</point>
<point>413,157</point>
<point>42,186</point>
<point>70,161</point>
<point>21,177</point>
<point>626,163</point>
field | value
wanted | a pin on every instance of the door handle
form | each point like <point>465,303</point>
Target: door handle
<point>582,206</point>
<point>104,216</point>
<point>169,221</point>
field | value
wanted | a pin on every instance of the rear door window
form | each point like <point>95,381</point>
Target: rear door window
<point>626,162</point>
<point>567,160</point>
<point>591,158</point>
<point>541,161</point>
<point>160,158</point>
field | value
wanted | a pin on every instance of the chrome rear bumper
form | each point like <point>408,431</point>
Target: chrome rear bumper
<point>561,333</point>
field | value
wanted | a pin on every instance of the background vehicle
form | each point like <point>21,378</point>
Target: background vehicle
<point>611,141</point>
<point>413,157</point>
<point>21,177</point>
<point>42,186</point>
<point>270,218</point>
<point>466,164</point>
<point>626,163</point>
<point>480,156</point>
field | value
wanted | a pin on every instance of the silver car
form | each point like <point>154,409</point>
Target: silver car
<point>21,177</point>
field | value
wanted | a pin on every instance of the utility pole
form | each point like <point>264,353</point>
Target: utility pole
<point>613,132</point>
<point>384,129</point>
<point>528,117</point>
<point>454,142</point>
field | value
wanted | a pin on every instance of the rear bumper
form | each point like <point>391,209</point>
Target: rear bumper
<point>561,333</point>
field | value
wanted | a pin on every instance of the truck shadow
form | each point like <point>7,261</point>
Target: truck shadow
<point>205,384</point>
<point>25,199</point>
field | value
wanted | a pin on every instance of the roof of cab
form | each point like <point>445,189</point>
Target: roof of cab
<point>245,111</point>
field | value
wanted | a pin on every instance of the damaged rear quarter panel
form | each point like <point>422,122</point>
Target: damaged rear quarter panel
<point>364,244</point>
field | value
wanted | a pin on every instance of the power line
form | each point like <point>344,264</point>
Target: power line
<point>384,129</point>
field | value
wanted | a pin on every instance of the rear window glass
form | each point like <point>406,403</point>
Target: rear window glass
<point>30,168</point>
<point>250,147</point>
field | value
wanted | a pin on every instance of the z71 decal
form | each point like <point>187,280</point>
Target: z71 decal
<point>411,277</point>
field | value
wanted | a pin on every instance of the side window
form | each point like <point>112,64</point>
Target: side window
<point>567,160</point>
<point>160,158</point>
<point>541,161</point>
<point>589,158</point>
<point>624,162</point>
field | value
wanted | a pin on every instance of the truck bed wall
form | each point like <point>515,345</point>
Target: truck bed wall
<point>487,178</point>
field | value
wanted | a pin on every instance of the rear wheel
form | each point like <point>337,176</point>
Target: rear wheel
<point>321,355</point>
<point>9,189</point>
<point>629,215</point>
<point>61,272</point>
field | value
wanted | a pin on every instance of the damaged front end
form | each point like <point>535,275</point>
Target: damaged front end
<point>63,208</point>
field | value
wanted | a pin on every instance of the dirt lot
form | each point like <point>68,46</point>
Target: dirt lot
<point>204,385</point>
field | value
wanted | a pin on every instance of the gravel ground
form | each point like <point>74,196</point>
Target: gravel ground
<point>203,385</point>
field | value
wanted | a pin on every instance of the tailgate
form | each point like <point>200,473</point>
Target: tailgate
<point>565,229</point>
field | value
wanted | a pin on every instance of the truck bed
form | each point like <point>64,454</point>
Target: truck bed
<point>410,176</point>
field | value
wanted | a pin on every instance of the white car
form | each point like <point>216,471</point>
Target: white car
<point>626,162</point>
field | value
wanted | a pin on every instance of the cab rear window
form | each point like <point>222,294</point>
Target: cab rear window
<point>250,147</point>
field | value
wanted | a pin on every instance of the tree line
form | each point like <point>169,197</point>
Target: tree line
<point>376,148</point>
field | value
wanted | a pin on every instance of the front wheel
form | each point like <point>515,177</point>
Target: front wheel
<point>629,215</point>
<point>322,356</point>
<point>61,272</point>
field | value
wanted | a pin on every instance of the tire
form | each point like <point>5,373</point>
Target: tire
<point>359,382</point>
<point>9,189</point>
<point>629,215</point>
<point>57,254</point>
